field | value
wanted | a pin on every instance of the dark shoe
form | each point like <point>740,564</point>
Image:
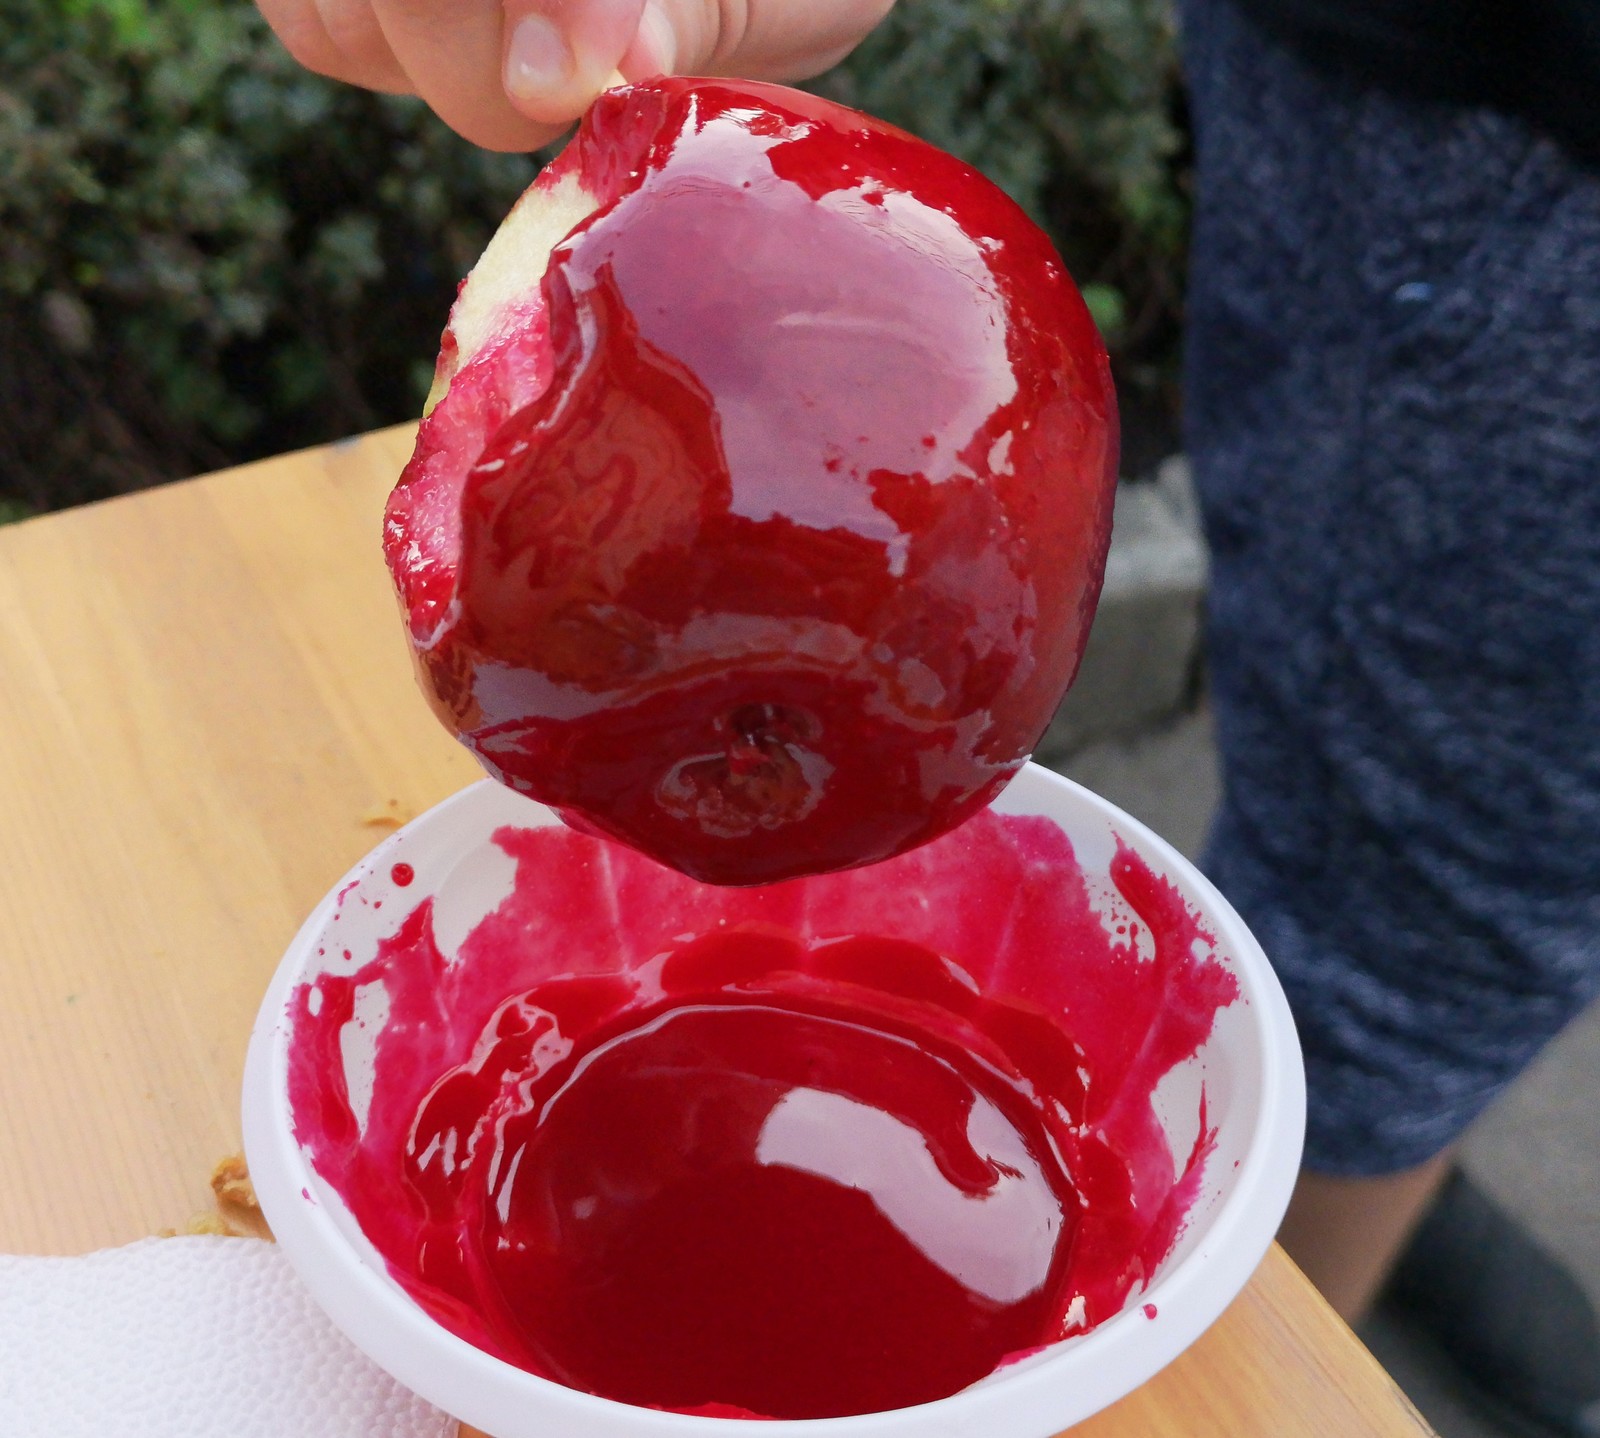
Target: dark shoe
<point>1513,1320</point>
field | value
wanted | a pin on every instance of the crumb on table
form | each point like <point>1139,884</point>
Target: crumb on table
<point>238,1212</point>
<point>390,814</point>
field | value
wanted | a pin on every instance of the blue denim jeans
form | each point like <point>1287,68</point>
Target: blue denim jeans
<point>1393,409</point>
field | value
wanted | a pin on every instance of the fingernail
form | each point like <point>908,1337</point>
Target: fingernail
<point>656,29</point>
<point>538,59</point>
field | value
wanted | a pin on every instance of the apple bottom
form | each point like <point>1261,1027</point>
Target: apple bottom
<point>753,778</point>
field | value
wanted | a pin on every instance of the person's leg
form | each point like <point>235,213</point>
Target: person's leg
<point>1393,412</point>
<point>1346,1233</point>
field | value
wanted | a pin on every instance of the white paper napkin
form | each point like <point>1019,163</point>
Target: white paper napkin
<point>186,1338</point>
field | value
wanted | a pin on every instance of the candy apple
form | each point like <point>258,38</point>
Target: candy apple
<point>760,508</point>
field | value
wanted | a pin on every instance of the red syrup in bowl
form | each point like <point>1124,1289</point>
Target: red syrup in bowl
<point>829,1146</point>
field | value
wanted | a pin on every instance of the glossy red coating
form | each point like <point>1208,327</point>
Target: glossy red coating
<point>768,543</point>
<point>833,1145</point>
<point>675,1186</point>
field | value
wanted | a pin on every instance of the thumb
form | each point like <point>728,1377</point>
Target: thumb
<point>560,54</point>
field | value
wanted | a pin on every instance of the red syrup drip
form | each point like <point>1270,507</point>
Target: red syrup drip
<point>402,874</point>
<point>802,1150</point>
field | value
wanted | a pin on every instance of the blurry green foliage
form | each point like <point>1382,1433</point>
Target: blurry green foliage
<point>207,254</point>
<point>1055,100</point>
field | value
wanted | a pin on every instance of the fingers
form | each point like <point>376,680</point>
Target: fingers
<point>654,47</point>
<point>559,56</point>
<point>514,74</point>
<point>354,30</point>
<point>778,49</point>
<point>678,37</point>
<point>298,25</point>
<point>764,39</point>
<point>453,53</point>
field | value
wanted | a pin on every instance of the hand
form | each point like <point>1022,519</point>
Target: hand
<point>514,74</point>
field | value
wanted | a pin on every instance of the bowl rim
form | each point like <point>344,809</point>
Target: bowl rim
<point>1022,1400</point>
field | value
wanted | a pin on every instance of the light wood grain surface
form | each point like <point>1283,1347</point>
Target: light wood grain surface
<point>207,714</point>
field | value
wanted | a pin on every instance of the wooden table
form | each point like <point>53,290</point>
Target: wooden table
<point>207,714</point>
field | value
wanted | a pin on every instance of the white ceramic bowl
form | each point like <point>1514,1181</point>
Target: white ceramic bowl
<point>1254,1091</point>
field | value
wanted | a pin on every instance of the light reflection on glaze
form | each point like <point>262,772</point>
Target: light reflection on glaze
<point>997,1239</point>
<point>773,1203</point>
<point>1047,1024</point>
<point>813,509</point>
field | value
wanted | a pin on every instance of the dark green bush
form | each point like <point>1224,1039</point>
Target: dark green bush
<point>207,254</point>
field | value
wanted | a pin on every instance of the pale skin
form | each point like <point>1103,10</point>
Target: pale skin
<point>1346,1233</point>
<point>515,75</point>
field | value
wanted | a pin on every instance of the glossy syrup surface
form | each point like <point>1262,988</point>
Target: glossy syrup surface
<point>822,1147</point>
<point>787,567</point>
<point>774,1207</point>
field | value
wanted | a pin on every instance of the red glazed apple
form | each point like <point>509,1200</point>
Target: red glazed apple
<point>759,514</point>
